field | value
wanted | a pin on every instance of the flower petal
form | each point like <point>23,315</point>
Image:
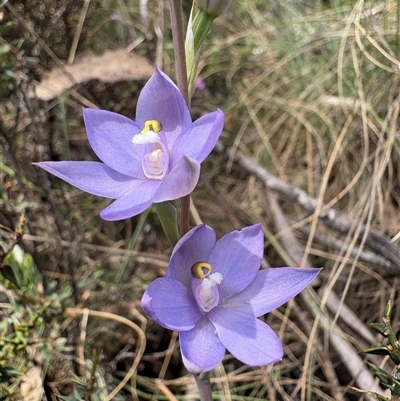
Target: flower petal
<point>200,347</point>
<point>110,135</point>
<point>180,181</point>
<point>270,289</point>
<point>132,203</point>
<point>161,100</point>
<point>171,304</point>
<point>237,256</point>
<point>194,246</point>
<point>93,177</point>
<point>247,338</point>
<point>199,141</point>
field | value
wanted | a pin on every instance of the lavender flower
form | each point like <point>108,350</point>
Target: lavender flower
<point>153,159</point>
<point>213,293</point>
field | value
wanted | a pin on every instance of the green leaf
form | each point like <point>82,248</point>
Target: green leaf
<point>7,170</point>
<point>9,273</point>
<point>377,351</point>
<point>168,216</point>
<point>395,357</point>
<point>379,397</point>
<point>6,27</point>
<point>19,268</point>
<point>7,373</point>
<point>379,327</point>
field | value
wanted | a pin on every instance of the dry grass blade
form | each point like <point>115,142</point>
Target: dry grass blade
<point>310,91</point>
<point>142,257</point>
<point>348,356</point>
<point>338,308</point>
<point>345,351</point>
<point>139,349</point>
<point>334,219</point>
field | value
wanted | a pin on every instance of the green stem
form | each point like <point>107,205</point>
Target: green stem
<point>204,386</point>
<point>178,37</point>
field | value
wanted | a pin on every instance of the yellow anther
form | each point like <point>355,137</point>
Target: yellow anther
<point>151,125</point>
<point>201,269</point>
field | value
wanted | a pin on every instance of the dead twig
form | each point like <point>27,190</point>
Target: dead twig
<point>348,355</point>
<point>332,218</point>
<point>329,241</point>
<point>347,315</point>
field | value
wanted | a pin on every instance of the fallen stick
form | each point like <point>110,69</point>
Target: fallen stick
<point>332,218</point>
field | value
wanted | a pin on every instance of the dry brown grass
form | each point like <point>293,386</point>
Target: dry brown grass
<point>311,96</point>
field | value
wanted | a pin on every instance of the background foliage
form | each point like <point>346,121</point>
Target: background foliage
<point>310,90</point>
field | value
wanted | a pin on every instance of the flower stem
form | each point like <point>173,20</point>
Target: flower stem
<point>178,37</point>
<point>185,215</point>
<point>204,386</point>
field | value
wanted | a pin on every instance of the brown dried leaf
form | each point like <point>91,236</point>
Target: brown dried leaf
<point>111,66</point>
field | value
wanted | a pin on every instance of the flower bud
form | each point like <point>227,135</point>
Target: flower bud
<point>215,8</point>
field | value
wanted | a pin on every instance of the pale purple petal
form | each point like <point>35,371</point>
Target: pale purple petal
<point>237,256</point>
<point>200,347</point>
<point>169,176</point>
<point>134,202</point>
<point>247,338</point>
<point>180,181</point>
<point>161,100</point>
<point>93,177</point>
<point>271,288</point>
<point>193,247</point>
<point>199,141</point>
<point>110,135</point>
<point>171,304</point>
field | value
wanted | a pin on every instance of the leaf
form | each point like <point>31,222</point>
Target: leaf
<point>10,274</point>
<point>377,351</point>
<point>111,66</point>
<point>7,373</point>
<point>379,327</point>
<point>18,267</point>
<point>168,216</point>
<point>31,388</point>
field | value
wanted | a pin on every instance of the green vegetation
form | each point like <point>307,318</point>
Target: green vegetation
<point>310,90</point>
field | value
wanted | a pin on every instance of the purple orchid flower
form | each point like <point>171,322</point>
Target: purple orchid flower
<point>213,293</point>
<point>153,159</point>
